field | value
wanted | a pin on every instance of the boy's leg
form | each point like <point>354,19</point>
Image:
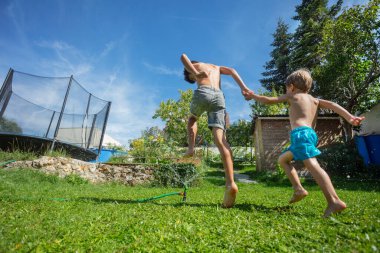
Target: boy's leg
<point>192,129</point>
<point>334,204</point>
<point>226,155</point>
<point>299,192</point>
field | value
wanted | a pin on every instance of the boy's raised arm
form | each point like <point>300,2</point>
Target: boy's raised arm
<point>353,120</point>
<point>189,67</point>
<point>232,72</point>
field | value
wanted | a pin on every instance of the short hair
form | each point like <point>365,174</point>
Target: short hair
<point>301,79</point>
<point>186,74</point>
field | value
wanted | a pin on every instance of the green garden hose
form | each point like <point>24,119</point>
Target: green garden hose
<point>6,162</point>
<point>183,194</point>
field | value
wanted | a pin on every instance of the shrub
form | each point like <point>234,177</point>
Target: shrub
<point>270,176</point>
<point>153,149</point>
<point>343,160</point>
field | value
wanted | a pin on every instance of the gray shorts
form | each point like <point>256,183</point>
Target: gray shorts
<point>210,100</point>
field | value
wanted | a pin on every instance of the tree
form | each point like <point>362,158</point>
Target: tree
<point>312,15</point>
<point>350,68</point>
<point>239,134</point>
<point>175,114</point>
<point>277,69</point>
<point>9,126</point>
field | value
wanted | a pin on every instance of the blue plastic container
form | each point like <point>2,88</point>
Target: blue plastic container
<point>362,149</point>
<point>106,154</point>
<point>373,147</point>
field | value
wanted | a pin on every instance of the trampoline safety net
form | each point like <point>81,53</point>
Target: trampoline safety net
<point>55,109</point>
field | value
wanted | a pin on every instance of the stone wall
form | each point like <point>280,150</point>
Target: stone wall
<point>129,174</point>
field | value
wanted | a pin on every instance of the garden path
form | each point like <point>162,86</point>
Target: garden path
<point>243,178</point>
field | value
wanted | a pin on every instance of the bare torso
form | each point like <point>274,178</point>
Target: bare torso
<point>213,75</point>
<point>303,110</point>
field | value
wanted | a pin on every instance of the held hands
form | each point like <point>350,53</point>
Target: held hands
<point>248,94</point>
<point>356,121</point>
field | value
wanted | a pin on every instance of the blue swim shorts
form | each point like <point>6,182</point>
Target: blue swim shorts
<point>303,143</point>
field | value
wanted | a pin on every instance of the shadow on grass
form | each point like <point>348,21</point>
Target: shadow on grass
<point>366,185</point>
<point>244,206</point>
<point>262,208</point>
<point>352,184</point>
<point>214,173</point>
<point>247,207</point>
<point>111,201</point>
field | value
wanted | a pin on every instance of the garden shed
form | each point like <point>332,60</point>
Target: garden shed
<point>271,135</point>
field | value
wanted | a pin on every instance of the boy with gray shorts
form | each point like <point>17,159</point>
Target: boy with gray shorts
<point>209,98</point>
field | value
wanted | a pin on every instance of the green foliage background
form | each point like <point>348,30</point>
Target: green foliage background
<point>175,114</point>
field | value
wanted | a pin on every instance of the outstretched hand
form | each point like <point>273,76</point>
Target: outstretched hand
<point>356,121</point>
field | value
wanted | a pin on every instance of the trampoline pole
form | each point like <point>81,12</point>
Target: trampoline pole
<point>104,127</point>
<point>61,114</point>
<point>6,91</point>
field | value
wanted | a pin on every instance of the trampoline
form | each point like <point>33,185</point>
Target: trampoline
<point>39,114</point>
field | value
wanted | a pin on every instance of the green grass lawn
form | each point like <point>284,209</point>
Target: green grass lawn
<point>41,213</point>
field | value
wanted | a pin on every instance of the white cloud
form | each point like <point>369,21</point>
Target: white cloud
<point>162,70</point>
<point>68,60</point>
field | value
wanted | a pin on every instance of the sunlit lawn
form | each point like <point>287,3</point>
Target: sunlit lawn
<point>42,213</point>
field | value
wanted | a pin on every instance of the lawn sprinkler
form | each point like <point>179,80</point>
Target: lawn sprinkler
<point>183,194</point>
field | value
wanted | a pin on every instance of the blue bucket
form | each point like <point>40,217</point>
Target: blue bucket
<point>362,149</point>
<point>373,147</point>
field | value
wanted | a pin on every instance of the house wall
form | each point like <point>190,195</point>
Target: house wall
<point>271,135</point>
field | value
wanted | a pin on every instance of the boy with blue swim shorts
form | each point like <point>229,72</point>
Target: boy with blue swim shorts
<point>208,97</point>
<point>304,142</point>
<point>303,110</point>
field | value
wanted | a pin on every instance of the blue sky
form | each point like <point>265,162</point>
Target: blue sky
<point>127,51</point>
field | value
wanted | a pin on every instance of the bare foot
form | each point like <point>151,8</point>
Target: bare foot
<point>336,207</point>
<point>298,196</point>
<point>230,195</point>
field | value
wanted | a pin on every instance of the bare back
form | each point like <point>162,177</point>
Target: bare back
<point>213,75</point>
<point>303,110</point>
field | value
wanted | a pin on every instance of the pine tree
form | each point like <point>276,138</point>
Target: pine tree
<point>312,15</point>
<point>277,69</point>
